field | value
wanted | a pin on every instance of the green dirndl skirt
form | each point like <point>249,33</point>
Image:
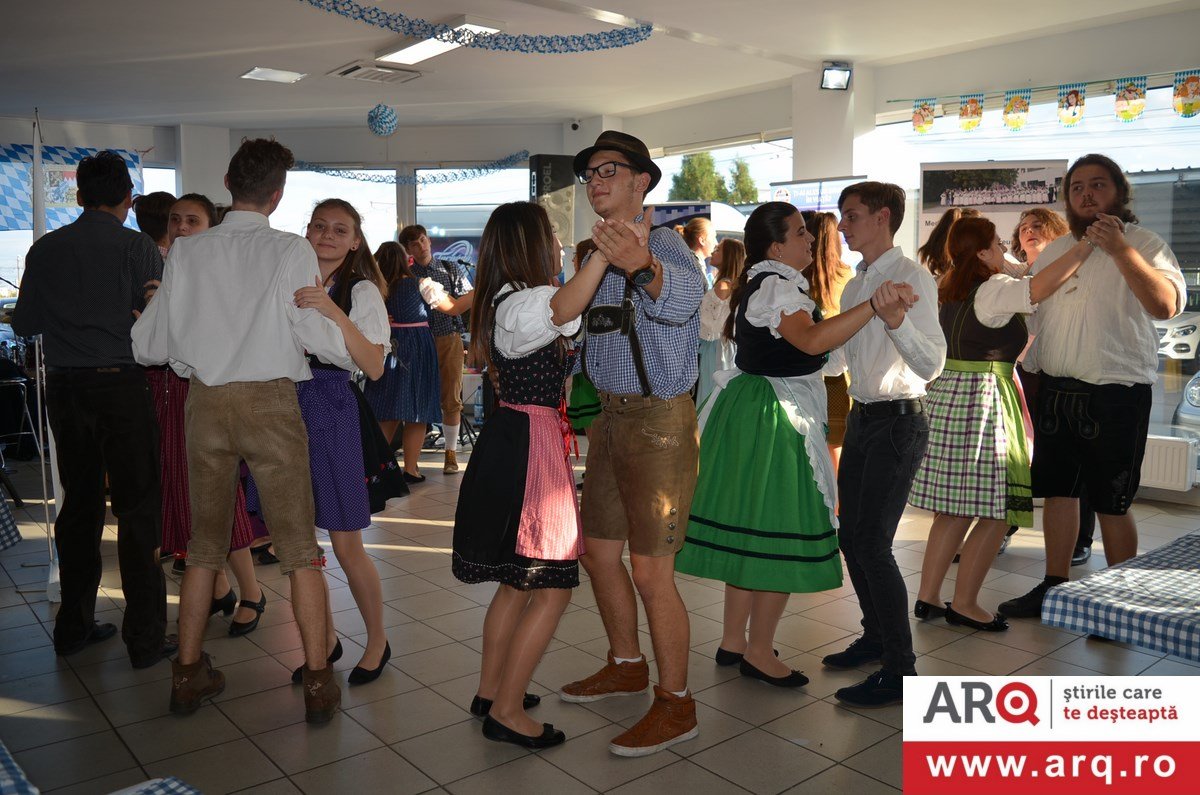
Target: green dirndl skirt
<point>978,458</point>
<point>758,519</point>
<point>583,405</point>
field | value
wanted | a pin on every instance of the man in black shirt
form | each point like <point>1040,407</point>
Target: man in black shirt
<point>82,286</point>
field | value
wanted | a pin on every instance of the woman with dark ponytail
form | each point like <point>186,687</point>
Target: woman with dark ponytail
<point>763,518</point>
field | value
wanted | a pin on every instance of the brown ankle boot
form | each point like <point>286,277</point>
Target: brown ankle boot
<point>321,695</point>
<point>191,684</point>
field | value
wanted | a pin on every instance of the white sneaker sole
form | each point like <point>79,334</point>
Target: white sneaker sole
<point>621,750</point>
<point>587,699</point>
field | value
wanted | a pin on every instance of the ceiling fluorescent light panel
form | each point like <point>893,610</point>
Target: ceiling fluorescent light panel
<point>273,75</point>
<point>409,51</point>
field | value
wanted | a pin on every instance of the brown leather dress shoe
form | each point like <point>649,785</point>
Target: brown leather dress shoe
<point>191,684</point>
<point>322,696</point>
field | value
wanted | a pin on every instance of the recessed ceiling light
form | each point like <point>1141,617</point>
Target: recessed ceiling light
<point>409,52</point>
<point>273,75</point>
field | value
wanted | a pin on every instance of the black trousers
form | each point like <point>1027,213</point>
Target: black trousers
<point>880,457</point>
<point>104,421</point>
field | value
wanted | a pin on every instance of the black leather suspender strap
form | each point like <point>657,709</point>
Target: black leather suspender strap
<point>635,346</point>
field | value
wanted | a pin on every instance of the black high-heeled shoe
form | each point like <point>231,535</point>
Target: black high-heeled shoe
<point>334,656</point>
<point>361,676</point>
<point>497,731</point>
<point>727,658</point>
<point>794,679</point>
<point>239,628</point>
<point>223,605</point>
<point>997,624</point>
<point>480,707</point>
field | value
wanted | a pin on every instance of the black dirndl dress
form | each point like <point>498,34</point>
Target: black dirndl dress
<point>492,498</point>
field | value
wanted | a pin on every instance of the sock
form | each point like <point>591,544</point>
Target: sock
<point>679,694</point>
<point>450,434</point>
<point>622,660</point>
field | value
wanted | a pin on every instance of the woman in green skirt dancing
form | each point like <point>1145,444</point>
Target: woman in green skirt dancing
<point>763,519</point>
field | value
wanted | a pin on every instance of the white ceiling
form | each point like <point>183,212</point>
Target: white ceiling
<point>156,62</point>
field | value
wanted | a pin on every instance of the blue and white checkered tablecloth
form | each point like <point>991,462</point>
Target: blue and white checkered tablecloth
<point>161,786</point>
<point>12,778</point>
<point>1152,600</point>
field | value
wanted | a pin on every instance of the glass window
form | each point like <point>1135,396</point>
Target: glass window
<point>454,213</point>
<point>155,179</point>
<point>767,162</point>
<point>375,202</point>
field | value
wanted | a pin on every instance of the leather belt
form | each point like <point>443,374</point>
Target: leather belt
<point>891,408</point>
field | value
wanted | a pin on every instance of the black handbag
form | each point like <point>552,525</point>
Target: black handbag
<point>385,477</point>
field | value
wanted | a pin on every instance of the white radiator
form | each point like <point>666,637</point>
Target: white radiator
<point>1170,463</point>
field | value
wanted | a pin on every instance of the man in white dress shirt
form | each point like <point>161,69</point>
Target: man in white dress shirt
<point>890,362</point>
<point>225,317</point>
<point>1097,349</point>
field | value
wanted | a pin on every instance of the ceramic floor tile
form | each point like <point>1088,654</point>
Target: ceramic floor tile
<point>881,762</point>
<point>172,735</point>
<point>302,747</point>
<point>761,762</point>
<point>753,701</point>
<point>111,782</point>
<point>516,776</point>
<point>32,692</point>
<point>266,710</point>
<point>223,768</point>
<point>118,674</point>
<point>428,605</point>
<point>679,777</point>
<point>715,728</point>
<point>839,780</point>
<point>75,761</point>
<point>829,731</point>
<point>982,654</point>
<point>22,638</point>
<point>380,770</point>
<point>462,625</point>
<point>458,751</point>
<point>439,664</point>
<point>280,786</point>
<point>588,759</point>
<point>51,724</point>
<point>409,715</point>
<point>1105,658</point>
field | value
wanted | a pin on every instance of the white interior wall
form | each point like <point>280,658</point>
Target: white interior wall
<point>202,161</point>
<point>1138,46</point>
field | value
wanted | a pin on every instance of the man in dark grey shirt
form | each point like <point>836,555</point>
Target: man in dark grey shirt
<point>82,286</point>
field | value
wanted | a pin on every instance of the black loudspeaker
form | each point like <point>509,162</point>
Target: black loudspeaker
<point>552,185</point>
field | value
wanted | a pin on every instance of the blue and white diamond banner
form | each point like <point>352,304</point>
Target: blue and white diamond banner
<point>58,174</point>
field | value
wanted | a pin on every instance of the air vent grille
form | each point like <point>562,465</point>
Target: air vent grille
<point>373,73</point>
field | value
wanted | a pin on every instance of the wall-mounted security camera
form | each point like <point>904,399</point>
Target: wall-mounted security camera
<point>575,125</point>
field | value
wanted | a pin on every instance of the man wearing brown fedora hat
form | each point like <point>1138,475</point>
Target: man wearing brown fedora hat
<point>643,456</point>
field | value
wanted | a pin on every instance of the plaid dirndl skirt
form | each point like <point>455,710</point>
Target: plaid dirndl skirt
<point>977,462</point>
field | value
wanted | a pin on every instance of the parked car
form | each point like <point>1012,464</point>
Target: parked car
<point>1187,413</point>
<point>1179,338</point>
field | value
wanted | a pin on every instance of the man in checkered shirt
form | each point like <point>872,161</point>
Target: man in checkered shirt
<point>643,457</point>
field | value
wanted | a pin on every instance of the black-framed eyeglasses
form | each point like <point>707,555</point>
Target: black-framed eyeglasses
<point>607,170</point>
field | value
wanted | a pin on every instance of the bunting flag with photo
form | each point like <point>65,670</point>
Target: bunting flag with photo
<point>1130,96</point>
<point>1016,107</point>
<point>970,111</point>
<point>1071,99</point>
<point>922,118</point>
<point>1186,97</point>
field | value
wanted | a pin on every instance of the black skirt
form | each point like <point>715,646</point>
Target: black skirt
<point>489,512</point>
<point>385,478</point>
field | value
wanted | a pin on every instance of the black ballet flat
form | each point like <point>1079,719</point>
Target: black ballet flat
<point>179,566</point>
<point>362,676</point>
<point>794,679</point>
<point>997,624</point>
<point>726,658</point>
<point>550,736</point>
<point>480,707</point>
<point>239,628</point>
<point>263,556</point>
<point>225,604</point>
<point>926,611</point>
<point>334,656</point>
<point>410,478</point>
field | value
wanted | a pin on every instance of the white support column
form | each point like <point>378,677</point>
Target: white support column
<point>825,124</point>
<point>201,160</point>
<point>575,141</point>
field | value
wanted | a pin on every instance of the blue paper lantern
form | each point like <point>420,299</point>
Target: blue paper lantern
<point>382,120</point>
